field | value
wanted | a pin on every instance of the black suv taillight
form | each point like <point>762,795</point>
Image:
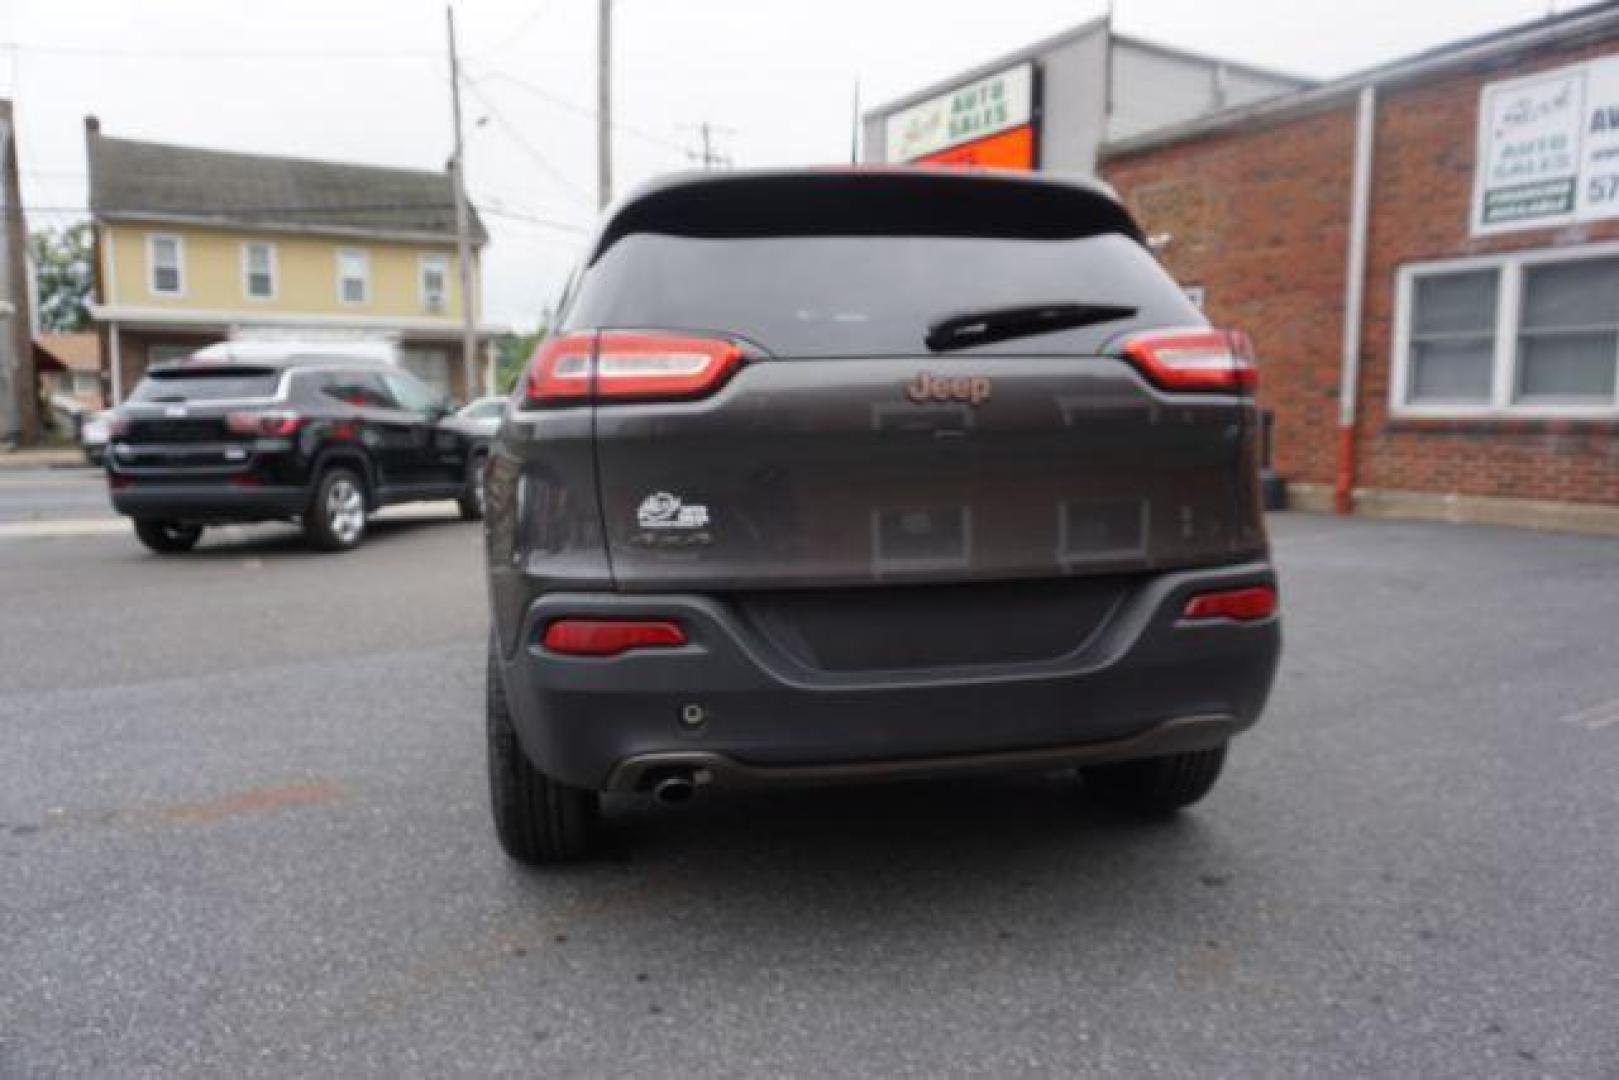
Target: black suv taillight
<point>270,424</point>
<point>617,365</point>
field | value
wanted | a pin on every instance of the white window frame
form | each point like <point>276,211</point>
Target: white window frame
<point>364,258</point>
<point>247,272</point>
<point>152,240</point>
<point>1504,364</point>
<point>423,261</point>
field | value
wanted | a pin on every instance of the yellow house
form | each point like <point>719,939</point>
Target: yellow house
<point>198,246</point>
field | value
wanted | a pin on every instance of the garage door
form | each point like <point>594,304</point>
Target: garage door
<point>432,366</point>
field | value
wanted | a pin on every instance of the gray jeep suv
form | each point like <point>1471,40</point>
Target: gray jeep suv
<point>843,475</point>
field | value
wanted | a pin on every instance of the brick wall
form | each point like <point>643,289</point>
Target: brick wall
<point>1259,216</point>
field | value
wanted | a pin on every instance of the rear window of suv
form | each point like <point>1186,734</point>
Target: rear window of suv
<point>206,384</point>
<point>866,274</point>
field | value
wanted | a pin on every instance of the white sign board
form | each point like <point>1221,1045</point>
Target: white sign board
<point>1548,149</point>
<point>986,106</point>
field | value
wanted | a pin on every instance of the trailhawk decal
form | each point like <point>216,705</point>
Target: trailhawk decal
<point>662,510</point>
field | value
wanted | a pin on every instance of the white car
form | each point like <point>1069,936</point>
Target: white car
<point>482,415</point>
<point>93,436</point>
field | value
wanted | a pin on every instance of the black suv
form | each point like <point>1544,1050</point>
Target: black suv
<point>294,436</point>
<point>846,475</point>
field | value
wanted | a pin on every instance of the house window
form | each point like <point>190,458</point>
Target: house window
<point>165,255</point>
<point>258,271</point>
<point>435,276</point>
<point>353,276</point>
<point>86,382</point>
<point>1528,333</point>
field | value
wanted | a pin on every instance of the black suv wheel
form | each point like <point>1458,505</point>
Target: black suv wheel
<point>1159,786</point>
<point>335,520</point>
<point>167,537</point>
<point>537,819</point>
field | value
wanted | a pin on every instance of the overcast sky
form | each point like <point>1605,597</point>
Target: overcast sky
<point>365,81</point>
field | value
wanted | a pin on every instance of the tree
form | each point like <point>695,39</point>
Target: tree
<point>65,273</point>
<point>512,354</point>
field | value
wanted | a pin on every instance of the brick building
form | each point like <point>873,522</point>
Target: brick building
<point>1427,257</point>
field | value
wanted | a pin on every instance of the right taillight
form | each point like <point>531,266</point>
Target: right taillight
<point>621,365</point>
<point>1239,605</point>
<point>274,423</point>
<point>1210,361</point>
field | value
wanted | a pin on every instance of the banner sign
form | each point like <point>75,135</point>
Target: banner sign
<point>966,114</point>
<point>1012,149</point>
<point>1548,149</point>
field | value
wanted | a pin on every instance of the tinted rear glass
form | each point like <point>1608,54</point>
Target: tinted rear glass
<point>202,384</point>
<point>871,295</point>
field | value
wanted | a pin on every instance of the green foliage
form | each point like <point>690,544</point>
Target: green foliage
<point>512,354</point>
<point>65,271</point>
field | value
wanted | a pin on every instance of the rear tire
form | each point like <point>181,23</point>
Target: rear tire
<point>471,498</point>
<point>167,537</point>
<point>1159,786</point>
<point>538,820</point>
<point>335,520</point>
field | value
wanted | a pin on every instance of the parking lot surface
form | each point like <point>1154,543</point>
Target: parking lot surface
<point>243,831</point>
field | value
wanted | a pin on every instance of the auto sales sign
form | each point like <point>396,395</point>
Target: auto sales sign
<point>971,113</point>
<point>1548,149</point>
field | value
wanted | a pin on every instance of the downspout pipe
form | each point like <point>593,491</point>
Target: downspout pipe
<point>1360,197</point>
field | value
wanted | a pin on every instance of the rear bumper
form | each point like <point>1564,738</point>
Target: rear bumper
<point>207,502</point>
<point>1148,683</point>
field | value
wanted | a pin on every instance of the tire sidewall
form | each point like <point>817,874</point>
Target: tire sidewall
<point>317,521</point>
<point>471,499</point>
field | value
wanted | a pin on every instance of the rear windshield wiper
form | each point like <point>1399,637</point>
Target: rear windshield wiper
<point>1002,324</point>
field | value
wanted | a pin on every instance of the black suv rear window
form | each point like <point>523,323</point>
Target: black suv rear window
<point>206,384</point>
<point>809,266</point>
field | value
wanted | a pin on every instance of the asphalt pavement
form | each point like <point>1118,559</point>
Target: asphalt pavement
<point>243,831</point>
<point>53,493</point>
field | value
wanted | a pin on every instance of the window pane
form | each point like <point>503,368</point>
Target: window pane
<point>1448,303</point>
<point>259,285</point>
<point>353,289</point>
<point>1569,368</point>
<point>1451,370</point>
<point>165,279</point>
<point>411,394</point>
<point>258,258</point>
<point>1582,293</point>
<point>165,252</point>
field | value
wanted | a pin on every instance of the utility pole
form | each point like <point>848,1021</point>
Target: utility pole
<point>709,156</point>
<point>854,126</point>
<point>604,103</point>
<point>463,237</point>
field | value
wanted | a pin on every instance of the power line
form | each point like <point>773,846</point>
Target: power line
<point>513,36</point>
<point>496,210</point>
<point>529,148</point>
<point>582,110</point>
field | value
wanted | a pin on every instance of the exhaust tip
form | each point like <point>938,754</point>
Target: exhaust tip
<point>674,790</point>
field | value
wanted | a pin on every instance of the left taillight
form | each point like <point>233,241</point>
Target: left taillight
<point>273,424</point>
<point>623,366</point>
<point>1196,360</point>
<point>610,637</point>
